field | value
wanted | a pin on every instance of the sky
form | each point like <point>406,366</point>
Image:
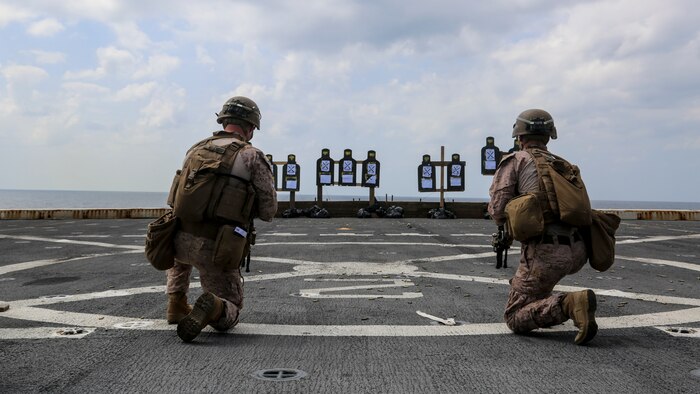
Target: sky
<point>109,95</point>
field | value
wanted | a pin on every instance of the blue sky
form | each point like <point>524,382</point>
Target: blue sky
<point>108,95</point>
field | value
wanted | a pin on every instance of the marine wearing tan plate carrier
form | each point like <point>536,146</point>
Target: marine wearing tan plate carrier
<point>542,202</point>
<point>223,185</point>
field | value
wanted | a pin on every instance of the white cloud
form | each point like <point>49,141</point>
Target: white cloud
<point>47,57</point>
<point>85,89</point>
<point>135,91</point>
<point>130,36</point>
<point>100,10</point>
<point>24,74</point>
<point>402,78</point>
<point>45,28</point>
<point>203,56</point>
<point>157,66</point>
<point>7,107</point>
<point>123,63</point>
<point>10,13</point>
<point>111,61</point>
<point>162,110</point>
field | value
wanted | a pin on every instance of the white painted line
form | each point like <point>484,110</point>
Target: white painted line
<point>389,283</point>
<point>41,333</point>
<point>659,238</point>
<point>53,247</point>
<point>43,301</point>
<point>463,278</point>
<point>411,235</point>
<point>365,268</point>
<point>405,281</point>
<point>371,330</point>
<point>306,293</point>
<point>630,321</point>
<point>285,234</point>
<point>21,310</point>
<point>81,319</point>
<point>27,310</point>
<point>68,241</point>
<point>470,235</point>
<point>346,235</point>
<point>370,243</point>
<point>88,236</point>
<point>634,296</point>
<point>465,256</point>
<point>677,264</point>
<point>43,263</point>
<point>683,316</point>
<point>134,236</point>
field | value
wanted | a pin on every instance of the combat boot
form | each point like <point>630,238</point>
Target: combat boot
<point>207,309</point>
<point>178,307</point>
<point>580,306</point>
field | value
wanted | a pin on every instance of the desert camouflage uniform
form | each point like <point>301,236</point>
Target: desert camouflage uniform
<point>192,251</point>
<point>531,303</point>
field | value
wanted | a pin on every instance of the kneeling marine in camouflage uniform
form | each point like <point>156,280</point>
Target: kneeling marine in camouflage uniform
<point>551,247</point>
<point>224,184</point>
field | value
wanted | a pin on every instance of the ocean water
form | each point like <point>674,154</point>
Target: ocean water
<point>55,199</point>
<point>52,199</point>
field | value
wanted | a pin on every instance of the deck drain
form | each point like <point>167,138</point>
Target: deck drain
<point>71,331</point>
<point>279,374</point>
<point>681,330</point>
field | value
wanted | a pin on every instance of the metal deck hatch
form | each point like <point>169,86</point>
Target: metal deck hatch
<point>279,374</point>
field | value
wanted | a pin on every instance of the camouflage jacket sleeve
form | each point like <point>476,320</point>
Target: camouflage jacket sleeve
<point>263,182</point>
<point>503,188</point>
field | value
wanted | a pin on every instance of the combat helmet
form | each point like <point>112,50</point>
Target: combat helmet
<point>534,122</point>
<point>240,107</point>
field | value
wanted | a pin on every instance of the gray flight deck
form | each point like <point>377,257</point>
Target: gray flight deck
<point>335,300</point>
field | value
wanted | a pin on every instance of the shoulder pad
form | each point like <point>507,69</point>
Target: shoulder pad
<point>507,157</point>
<point>199,143</point>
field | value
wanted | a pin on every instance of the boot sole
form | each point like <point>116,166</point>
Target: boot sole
<point>176,319</point>
<point>189,327</point>
<point>592,328</point>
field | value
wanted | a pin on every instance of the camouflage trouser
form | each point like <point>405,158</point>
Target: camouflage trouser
<point>531,303</point>
<point>226,283</point>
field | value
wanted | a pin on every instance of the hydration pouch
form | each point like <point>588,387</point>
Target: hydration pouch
<point>524,218</point>
<point>565,191</point>
<point>195,189</point>
<point>230,247</point>
<point>572,197</point>
<point>600,240</point>
<point>160,245</point>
